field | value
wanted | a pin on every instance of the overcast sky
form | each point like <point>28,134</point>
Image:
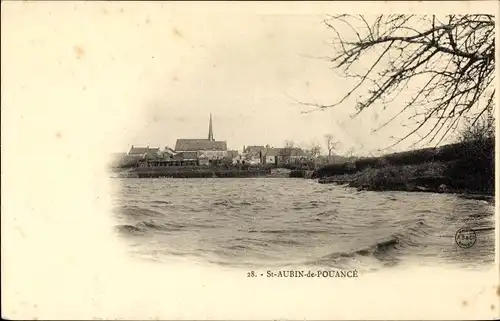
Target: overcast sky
<point>153,72</point>
<point>246,69</point>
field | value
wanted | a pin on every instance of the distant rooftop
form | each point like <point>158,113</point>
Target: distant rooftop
<point>142,150</point>
<point>186,155</point>
<point>259,148</point>
<point>199,144</point>
<point>284,152</point>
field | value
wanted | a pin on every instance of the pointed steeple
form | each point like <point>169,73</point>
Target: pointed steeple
<point>210,132</point>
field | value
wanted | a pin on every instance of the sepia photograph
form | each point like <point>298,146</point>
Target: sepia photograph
<point>249,160</point>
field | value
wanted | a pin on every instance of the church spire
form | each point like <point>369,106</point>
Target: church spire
<point>210,133</point>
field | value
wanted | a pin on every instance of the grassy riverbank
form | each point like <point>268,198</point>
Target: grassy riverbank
<point>465,168</point>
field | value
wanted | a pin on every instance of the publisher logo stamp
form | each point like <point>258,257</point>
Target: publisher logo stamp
<point>465,237</point>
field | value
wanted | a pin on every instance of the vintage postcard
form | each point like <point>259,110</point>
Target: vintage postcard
<point>249,160</point>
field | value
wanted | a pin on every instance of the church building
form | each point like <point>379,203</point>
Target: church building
<point>209,148</point>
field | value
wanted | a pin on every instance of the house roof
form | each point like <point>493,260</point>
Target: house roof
<point>297,152</point>
<point>254,153</point>
<point>199,144</point>
<point>272,151</point>
<point>285,152</point>
<point>134,156</point>
<point>142,150</point>
<point>254,148</point>
<point>186,155</point>
<point>232,153</point>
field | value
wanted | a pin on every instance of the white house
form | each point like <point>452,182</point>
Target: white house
<point>246,159</point>
<point>270,155</point>
<point>238,159</point>
<point>203,160</point>
<point>253,159</point>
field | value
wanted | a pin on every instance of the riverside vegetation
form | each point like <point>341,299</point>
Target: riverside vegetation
<point>465,167</point>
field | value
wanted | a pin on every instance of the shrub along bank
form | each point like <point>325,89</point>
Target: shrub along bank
<point>466,167</point>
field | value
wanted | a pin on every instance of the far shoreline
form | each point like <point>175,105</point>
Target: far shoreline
<point>345,180</point>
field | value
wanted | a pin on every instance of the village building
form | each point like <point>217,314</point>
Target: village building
<point>143,152</point>
<point>253,149</point>
<point>166,158</point>
<point>231,154</point>
<point>284,156</point>
<point>203,160</point>
<point>186,155</point>
<point>295,155</point>
<point>247,159</point>
<point>254,156</point>
<point>209,148</point>
<point>238,159</point>
<point>167,153</point>
<point>271,156</point>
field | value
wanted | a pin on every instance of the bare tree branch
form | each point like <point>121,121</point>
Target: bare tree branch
<point>449,62</point>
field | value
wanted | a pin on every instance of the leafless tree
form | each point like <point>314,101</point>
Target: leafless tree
<point>350,152</point>
<point>289,144</point>
<point>315,150</point>
<point>331,144</point>
<point>286,152</point>
<point>444,65</point>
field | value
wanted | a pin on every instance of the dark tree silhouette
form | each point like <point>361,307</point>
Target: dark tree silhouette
<point>445,66</point>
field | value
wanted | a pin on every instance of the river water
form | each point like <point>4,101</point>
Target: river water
<point>295,223</point>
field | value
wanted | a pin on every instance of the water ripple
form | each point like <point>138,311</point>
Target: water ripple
<point>264,222</point>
